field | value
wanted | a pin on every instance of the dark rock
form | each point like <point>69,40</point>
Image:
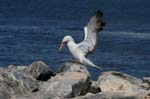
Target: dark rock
<point>94,88</point>
<point>147,80</point>
<point>120,82</point>
<point>73,67</point>
<point>40,71</point>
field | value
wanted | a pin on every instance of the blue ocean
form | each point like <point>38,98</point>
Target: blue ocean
<point>32,30</point>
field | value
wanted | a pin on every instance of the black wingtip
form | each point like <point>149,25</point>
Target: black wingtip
<point>99,13</point>
<point>103,23</point>
<point>100,29</point>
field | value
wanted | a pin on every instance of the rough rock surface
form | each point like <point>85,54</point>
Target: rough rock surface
<point>13,68</point>
<point>37,81</point>
<point>94,88</point>
<point>40,71</point>
<point>120,82</point>
<point>21,80</point>
<point>73,67</point>
<point>65,85</point>
<point>17,83</point>
<point>146,82</point>
<point>145,95</point>
<point>107,95</point>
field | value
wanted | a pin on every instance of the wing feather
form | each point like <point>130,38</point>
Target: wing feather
<point>91,30</point>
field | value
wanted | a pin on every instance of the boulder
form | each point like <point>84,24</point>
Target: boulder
<point>144,95</point>
<point>94,88</point>
<point>120,82</point>
<point>71,81</point>
<point>4,91</point>
<point>22,80</point>
<point>2,69</point>
<point>107,95</point>
<point>65,85</point>
<point>40,71</point>
<point>146,82</point>
<point>13,68</point>
<point>17,83</point>
<point>73,67</point>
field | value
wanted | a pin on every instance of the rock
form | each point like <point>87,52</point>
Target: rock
<point>72,81</point>
<point>65,85</point>
<point>144,95</point>
<point>120,82</point>
<point>73,67</point>
<point>13,68</point>
<point>4,91</point>
<point>40,71</point>
<point>146,79</point>
<point>27,96</point>
<point>17,83</point>
<point>107,95</point>
<point>2,69</point>
<point>146,82</point>
<point>94,88</point>
<point>22,80</point>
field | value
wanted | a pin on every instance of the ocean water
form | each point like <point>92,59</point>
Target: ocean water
<point>32,30</point>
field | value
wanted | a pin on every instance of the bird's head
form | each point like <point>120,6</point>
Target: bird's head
<point>65,40</point>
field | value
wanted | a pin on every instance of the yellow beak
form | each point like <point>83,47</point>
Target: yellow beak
<point>61,46</point>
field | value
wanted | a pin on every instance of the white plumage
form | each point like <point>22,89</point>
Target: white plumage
<point>81,50</point>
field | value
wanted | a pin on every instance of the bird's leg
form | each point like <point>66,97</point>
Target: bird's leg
<point>72,60</point>
<point>75,61</point>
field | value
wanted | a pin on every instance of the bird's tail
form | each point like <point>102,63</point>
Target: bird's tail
<point>88,62</point>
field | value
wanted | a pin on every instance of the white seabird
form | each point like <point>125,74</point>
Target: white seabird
<point>81,50</point>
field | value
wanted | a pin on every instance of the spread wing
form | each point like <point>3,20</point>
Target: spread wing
<point>91,30</point>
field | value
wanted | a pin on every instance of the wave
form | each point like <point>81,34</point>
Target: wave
<point>138,35</point>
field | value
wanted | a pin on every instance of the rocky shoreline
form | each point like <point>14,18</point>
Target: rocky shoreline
<point>72,80</point>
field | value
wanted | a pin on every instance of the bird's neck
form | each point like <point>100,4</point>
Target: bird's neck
<point>71,44</point>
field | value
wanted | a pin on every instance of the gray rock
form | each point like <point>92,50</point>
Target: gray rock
<point>146,82</point>
<point>21,80</point>
<point>2,70</point>
<point>72,81</point>
<point>65,85</point>
<point>4,91</point>
<point>13,68</point>
<point>40,71</point>
<point>120,82</point>
<point>17,83</point>
<point>107,95</point>
<point>144,95</point>
<point>73,67</point>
